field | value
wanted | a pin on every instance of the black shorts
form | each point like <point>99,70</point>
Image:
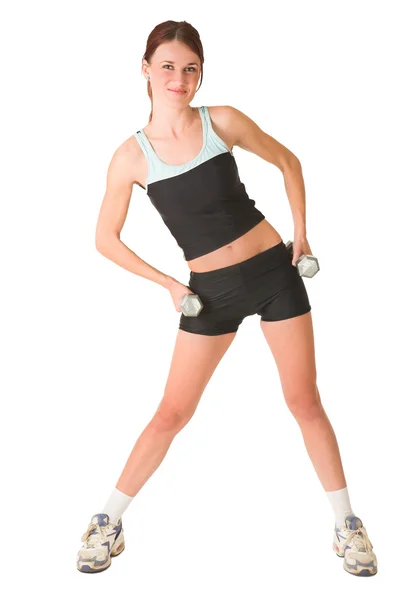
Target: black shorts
<point>267,284</point>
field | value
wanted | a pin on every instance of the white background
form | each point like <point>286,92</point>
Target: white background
<point>236,509</point>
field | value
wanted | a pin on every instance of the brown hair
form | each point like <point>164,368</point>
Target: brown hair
<point>166,32</point>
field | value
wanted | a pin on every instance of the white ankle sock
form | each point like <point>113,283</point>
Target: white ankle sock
<point>116,505</point>
<point>340,503</point>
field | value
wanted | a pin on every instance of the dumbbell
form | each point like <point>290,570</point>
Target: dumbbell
<point>191,305</point>
<point>307,265</point>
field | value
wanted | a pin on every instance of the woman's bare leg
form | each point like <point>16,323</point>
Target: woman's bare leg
<point>292,344</point>
<point>194,360</point>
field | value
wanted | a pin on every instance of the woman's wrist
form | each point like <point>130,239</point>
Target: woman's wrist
<point>167,281</point>
<point>300,233</point>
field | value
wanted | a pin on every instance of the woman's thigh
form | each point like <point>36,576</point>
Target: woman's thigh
<point>194,360</point>
<point>291,342</point>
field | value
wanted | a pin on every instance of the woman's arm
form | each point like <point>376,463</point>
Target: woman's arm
<point>246,134</point>
<point>113,211</point>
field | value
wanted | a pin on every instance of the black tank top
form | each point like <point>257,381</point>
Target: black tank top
<point>202,202</point>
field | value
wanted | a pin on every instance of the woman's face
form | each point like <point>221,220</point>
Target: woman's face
<point>171,70</point>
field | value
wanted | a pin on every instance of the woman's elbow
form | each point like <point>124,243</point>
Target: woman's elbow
<point>103,241</point>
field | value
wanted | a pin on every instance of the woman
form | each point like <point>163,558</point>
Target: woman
<point>239,267</point>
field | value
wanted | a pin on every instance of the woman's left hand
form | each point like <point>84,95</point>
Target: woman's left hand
<point>300,246</point>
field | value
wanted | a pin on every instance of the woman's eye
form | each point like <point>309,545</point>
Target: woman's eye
<point>194,69</point>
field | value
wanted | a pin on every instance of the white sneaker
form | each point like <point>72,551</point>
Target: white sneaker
<point>352,543</point>
<point>102,540</point>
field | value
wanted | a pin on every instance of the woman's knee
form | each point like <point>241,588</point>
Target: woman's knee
<point>169,418</point>
<point>305,404</point>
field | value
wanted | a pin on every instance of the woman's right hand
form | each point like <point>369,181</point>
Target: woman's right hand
<point>177,291</point>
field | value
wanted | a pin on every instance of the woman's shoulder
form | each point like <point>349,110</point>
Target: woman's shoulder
<point>129,158</point>
<point>221,118</point>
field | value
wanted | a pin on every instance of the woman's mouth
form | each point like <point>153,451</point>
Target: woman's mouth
<point>178,91</point>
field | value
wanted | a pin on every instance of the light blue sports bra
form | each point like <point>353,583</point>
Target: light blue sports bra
<point>157,169</point>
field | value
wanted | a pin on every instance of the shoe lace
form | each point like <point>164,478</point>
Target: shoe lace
<point>97,539</point>
<point>360,540</point>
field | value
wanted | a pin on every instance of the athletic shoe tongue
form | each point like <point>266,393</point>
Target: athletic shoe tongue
<point>353,522</point>
<point>101,519</point>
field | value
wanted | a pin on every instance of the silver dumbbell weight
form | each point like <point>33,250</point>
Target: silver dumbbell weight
<point>307,265</point>
<point>191,305</point>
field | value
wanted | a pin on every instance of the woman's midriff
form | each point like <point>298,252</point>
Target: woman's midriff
<point>259,238</point>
